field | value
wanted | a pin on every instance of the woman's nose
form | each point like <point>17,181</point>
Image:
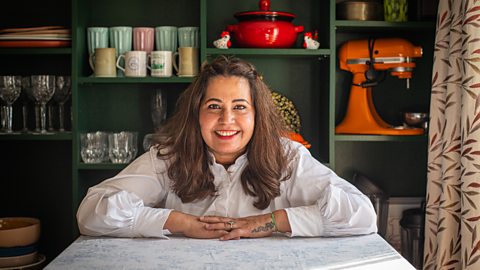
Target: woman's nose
<point>226,116</point>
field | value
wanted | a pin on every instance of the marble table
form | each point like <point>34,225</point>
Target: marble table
<point>276,252</point>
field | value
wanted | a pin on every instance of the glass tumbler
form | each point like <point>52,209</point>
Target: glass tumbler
<point>93,146</point>
<point>122,146</point>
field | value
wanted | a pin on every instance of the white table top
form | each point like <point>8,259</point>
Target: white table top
<point>276,252</point>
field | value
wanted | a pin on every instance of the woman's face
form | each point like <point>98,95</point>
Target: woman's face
<point>227,117</point>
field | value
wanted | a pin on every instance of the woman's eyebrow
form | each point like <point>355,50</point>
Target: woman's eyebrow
<point>241,100</point>
<point>213,99</point>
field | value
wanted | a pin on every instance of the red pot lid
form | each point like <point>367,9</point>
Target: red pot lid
<point>264,15</point>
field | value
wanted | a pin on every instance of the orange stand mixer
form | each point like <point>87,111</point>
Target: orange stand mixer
<point>364,58</point>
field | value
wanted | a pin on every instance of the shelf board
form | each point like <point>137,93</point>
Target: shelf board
<point>278,52</point>
<point>101,166</point>
<point>381,138</point>
<point>346,25</point>
<point>67,136</point>
<point>31,51</point>
<point>173,79</point>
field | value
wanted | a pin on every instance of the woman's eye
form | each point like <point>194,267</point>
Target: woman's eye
<point>213,106</point>
<point>240,107</point>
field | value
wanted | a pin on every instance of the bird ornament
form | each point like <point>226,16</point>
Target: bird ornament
<point>310,42</point>
<point>224,41</point>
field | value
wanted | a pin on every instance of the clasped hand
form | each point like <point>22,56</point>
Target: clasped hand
<point>226,228</point>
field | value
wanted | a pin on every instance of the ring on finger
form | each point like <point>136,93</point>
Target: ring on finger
<point>231,222</point>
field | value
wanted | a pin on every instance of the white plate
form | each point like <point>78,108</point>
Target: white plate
<point>25,37</point>
<point>35,265</point>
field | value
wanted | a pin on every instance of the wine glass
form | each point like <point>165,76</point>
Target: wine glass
<point>158,112</point>
<point>10,88</point>
<point>158,109</point>
<point>25,97</point>
<point>43,88</point>
<point>63,91</point>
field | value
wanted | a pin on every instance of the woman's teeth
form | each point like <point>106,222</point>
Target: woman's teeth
<point>226,133</point>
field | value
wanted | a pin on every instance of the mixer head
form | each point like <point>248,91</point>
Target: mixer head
<point>395,55</point>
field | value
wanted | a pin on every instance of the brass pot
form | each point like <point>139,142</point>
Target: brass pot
<point>360,10</point>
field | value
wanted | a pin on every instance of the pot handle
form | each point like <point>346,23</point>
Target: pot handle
<point>231,28</point>
<point>299,29</point>
<point>264,5</point>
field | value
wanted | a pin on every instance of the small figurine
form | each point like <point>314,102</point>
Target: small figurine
<point>310,42</point>
<point>224,41</point>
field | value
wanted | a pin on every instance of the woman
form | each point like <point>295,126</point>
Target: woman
<point>222,169</point>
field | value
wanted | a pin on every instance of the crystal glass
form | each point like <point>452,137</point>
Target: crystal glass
<point>25,97</point>
<point>10,89</point>
<point>93,146</point>
<point>63,92</point>
<point>122,146</point>
<point>43,88</point>
<point>158,109</point>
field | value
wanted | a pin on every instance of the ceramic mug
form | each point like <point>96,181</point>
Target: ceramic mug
<point>188,36</point>
<point>143,39</point>
<point>161,63</point>
<point>103,62</point>
<point>121,39</point>
<point>135,63</point>
<point>187,61</point>
<point>166,38</point>
<point>97,37</point>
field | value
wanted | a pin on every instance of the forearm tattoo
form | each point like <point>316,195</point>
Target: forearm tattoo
<point>267,227</point>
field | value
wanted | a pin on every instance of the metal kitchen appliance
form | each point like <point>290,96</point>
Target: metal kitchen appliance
<point>366,59</point>
<point>378,197</point>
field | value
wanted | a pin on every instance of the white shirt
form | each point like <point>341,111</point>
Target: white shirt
<point>138,201</point>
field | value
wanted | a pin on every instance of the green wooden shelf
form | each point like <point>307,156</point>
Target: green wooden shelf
<point>345,25</point>
<point>67,136</point>
<point>33,51</point>
<point>268,52</point>
<point>100,166</point>
<point>123,80</point>
<point>380,138</point>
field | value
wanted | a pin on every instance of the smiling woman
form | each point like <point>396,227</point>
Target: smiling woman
<point>223,168</point>
<point>227,118</point>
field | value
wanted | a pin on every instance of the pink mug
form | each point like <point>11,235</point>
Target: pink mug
<point>143,39</point>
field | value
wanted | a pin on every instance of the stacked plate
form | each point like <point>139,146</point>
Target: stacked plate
<point>19,243</point>
<point>43,36</point>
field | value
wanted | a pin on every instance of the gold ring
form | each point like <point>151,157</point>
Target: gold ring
<point>231,222</point>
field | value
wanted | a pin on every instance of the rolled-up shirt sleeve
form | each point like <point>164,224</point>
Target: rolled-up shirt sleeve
<point>124,206</point>
<point>323,204</point>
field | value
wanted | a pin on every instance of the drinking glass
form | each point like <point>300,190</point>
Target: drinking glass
<point>158,109</point>
<point>43,88</point>
<point>25,97</point>
<point>122,146</point>
<point>10,88</point>
<point>63,92</point>
<point>93,146</point>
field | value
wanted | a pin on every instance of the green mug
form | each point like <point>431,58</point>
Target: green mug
<point>166,38</point>
<point>188,36</point>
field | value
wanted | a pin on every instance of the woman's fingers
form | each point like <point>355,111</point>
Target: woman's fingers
<point>214,219</point>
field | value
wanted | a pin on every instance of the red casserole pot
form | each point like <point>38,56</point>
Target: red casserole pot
<point>264,28</point>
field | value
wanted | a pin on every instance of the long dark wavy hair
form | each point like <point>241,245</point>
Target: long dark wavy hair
<point>180,139</point>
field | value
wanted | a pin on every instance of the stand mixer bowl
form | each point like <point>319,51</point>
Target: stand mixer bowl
<point>415,119</point>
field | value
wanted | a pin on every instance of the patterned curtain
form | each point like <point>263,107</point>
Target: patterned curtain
<point>452,220</point>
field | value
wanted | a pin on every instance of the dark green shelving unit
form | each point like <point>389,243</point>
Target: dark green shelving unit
<point>56,177</point>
